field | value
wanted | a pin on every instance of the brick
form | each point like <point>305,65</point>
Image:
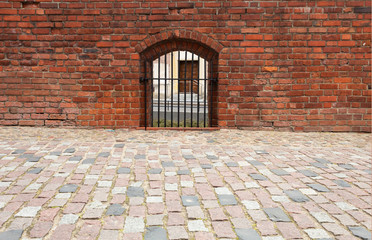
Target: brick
<point>327,98</point>
<point>12,18</point>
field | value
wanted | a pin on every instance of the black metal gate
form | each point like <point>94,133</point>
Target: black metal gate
<point>178,90</point>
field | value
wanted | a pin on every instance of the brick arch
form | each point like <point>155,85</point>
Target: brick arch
<point>178,39</point>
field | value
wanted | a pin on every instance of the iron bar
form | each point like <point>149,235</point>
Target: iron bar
<point>152,91</point>
<point>172,89</point>
<point>197,116</point>
<point>184,96</point>
<point>192,85</point>
<point>145,84</point>
<point>178,92</point>
<point>205,89</point>
<point>211,95</point>
<point>165,90</point>
<point>159,91</point>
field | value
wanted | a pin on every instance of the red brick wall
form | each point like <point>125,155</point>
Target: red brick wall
<point>300,65</point>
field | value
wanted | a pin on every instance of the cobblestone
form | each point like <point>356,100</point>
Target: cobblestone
<point>177,232</point>
<point>247,234</point>
<point>11,234</point>
<point>296,196</point>
<point>361,232</point>
<point>227,199</point>
<point>251,204</point>
<point>276,215</point>
<point>155,233</point>
<point>134,224</point>
<point>190,201</point>
<point>69,219</point>
<point>78,183</point>
<point>68,188</point>
<point>28,212</point>
<point>196,226</point>
<point>322,217</point>
<point>317,233</point>
<point>318,187</point>
<point>115,210</point>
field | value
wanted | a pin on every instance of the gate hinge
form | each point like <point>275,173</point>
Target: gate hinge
<point>143,79</point>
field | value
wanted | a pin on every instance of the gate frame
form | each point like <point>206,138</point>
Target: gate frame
<point>179,40</point>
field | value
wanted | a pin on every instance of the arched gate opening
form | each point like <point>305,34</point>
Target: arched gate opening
<point>180,84</point>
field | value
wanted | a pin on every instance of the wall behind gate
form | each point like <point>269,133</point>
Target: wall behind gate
<point>299,65</point>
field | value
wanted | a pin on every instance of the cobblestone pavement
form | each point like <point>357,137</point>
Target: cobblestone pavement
<point>229,184</point>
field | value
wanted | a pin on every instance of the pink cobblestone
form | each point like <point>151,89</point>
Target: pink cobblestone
<point>204,236</point>
<point>89,230</point>
<point>289,230</point>
<point>223,229</point>
<point>63,232</point>
<point>266,228</point>
<point>175,219</point>
<point>217,214</point>
<point>48,214</point>
<point>40,229</point>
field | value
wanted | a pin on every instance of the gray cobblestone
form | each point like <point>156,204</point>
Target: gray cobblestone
<point>308,173</point>
<point>296,196</point>
<point>247,234</point>
<point>68,188</point>
<point>76,158</point>
<point>227,199</point>
<point>258,177</point>
<point>11,234</point>
<point>280,172</point>
<point>318,187</point>
<point>276,215</point>
<point>361,232</point>
<point>115,210</point>
<point>342,183</point>
<point>123,171</point>
<point>190,201</point>
<point>155,233</point>
<point>154,171</point>
<point>35,170</point>
<point>135,192</point>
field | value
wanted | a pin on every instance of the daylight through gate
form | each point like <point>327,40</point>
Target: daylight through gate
<point>179,90</point>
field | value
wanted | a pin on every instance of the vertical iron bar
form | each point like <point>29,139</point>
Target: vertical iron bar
<point>159,91</point>
<point>145,83</point>
<point>211,90</point>
<point>152,91</point>
<point>192,85</point>
<point>172,89</point>
<point>179,79</point>
<point>184,96</point>
<point>165,90</point>
<point>205,88</point>
<point>197,116</point>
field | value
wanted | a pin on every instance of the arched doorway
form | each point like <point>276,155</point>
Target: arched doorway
<point>180,85</point>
